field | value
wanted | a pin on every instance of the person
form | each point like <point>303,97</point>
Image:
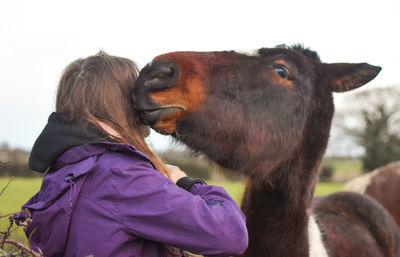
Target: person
<point>105,193</point>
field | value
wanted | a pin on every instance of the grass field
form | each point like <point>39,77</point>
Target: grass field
<point>236,188</point>
<point>21,189</point>
<point>13,197</point>
<point>344,169</point>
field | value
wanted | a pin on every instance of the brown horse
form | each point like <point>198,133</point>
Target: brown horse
<point>381,184</point>
<point>268,116</point>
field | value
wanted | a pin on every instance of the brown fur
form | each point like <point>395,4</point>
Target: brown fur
<point>275,130</point>
<point>383,185</point>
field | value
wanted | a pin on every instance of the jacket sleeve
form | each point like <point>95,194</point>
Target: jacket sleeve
<point>204,221</point>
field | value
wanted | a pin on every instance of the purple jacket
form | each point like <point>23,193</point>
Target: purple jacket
<point>106,199</point>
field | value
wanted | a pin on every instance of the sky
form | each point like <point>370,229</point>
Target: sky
<point>38,39</point>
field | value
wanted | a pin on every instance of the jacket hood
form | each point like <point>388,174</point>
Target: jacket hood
<point>57,137</point>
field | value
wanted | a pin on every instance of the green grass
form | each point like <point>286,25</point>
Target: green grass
<point>17,193</point>
<point>14,196</point>
<point>236,189</point>
<point>344,169</point>
<point>327,188</point>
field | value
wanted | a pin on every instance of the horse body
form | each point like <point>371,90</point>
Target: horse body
<point>381,184</point>
<point>268,116</point>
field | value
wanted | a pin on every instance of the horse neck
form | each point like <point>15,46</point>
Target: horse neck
<point>278,211</point>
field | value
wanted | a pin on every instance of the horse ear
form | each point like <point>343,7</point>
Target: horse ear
<point>343,77</point>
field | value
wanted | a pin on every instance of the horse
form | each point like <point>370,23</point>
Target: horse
<point>382,184</point>
<point>268,115</point>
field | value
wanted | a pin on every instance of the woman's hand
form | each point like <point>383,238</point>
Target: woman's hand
<point>175,172</point>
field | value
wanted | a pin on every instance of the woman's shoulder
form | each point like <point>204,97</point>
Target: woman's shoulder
<point>120,149</point>
<point>119,155</point>
<point>118,166</point>
<point>106,159</point>
<point>101,151</point>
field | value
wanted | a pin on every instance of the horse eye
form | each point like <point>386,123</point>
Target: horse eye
<point>281,71</point>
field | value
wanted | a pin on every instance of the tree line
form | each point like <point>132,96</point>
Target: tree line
<point>14,162</point>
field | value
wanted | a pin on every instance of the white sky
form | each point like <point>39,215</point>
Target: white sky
<point>39,38</point>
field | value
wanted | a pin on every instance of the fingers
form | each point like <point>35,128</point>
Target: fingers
<point>175,172</point>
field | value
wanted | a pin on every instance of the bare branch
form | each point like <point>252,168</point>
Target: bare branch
<point>23,247</point>
<point>5,240</point>
<point>8,215</point>
<point>6,234</point>
<point>6,185</point>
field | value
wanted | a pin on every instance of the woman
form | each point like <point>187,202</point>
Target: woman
<point>105,193</point>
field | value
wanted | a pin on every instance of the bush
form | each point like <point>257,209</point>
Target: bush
<point>326,173</point>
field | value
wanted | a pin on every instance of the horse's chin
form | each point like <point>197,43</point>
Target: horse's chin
<point>163,120</point>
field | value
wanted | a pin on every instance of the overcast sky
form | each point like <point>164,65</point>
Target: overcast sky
<point>39,38</point>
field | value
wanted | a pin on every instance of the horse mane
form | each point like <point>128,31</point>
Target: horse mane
<point>300,48</point>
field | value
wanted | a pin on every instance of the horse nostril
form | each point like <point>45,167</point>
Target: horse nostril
<point>162,73</point>
<point>161,76</point>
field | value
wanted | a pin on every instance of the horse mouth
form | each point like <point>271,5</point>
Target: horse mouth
<point>152,116</point>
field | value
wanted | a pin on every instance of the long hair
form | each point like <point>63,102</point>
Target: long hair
<point>97,89</point>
